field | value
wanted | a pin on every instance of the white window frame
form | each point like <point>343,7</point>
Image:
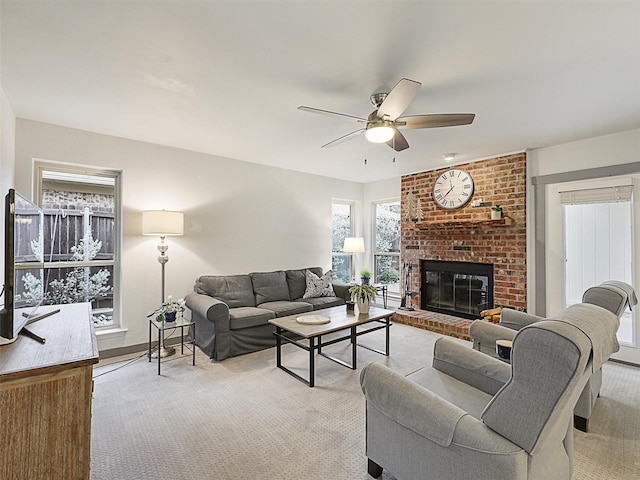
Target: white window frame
<point>374,206</point>
<point>39,167</point>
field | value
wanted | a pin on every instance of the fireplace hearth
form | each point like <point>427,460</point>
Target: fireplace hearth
<point>461,289</point>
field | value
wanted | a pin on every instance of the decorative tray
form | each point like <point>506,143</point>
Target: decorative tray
<point>313,319</point>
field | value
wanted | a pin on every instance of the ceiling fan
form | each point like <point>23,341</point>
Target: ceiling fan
<point>383,124</point>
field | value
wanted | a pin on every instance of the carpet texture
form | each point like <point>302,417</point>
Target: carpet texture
<point>245,419</point>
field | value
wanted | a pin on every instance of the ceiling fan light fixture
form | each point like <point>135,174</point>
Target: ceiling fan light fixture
<point>379,133</point>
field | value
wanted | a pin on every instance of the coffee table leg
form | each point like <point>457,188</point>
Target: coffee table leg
<point>312,367</point>
<point>386,350</point>
<point>278,347</point>
<point>354,348</point>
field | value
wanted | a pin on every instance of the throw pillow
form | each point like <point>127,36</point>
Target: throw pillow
<point>319,286</point>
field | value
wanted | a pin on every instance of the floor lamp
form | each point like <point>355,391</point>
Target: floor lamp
<point>163,223</point>
<point>353,245</point>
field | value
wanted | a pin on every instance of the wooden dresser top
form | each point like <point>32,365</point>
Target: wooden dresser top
<point>70,342</point>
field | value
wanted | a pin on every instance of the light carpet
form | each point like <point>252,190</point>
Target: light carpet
<point>245,419</point>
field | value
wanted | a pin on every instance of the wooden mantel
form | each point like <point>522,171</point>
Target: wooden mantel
<point>503,222</point>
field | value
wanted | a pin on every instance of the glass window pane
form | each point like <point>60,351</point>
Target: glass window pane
<point>340,224</point>
<point>342,269</point>
<point>83,284</point>
<point>388,227</point>
<point>387,256</point>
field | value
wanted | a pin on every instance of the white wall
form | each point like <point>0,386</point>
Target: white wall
<point>239,217</point>
<point>7,160</point>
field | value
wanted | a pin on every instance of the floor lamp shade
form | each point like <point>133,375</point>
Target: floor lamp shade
<point>353,245</point>
<point>162,223</point>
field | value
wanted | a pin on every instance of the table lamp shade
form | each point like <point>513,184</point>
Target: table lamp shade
<point>353,245</point>
<point>162,223</point>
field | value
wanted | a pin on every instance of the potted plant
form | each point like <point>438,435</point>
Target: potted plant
<point>168,310</point>
<point>363,294</point>
<point>365,275</point>
<point>496,212</point>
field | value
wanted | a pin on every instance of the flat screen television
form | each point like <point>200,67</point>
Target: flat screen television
<point>24,281</point>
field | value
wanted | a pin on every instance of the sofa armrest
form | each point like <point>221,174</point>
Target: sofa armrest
<point>342,290</point>
<point>208,308</point>
<point>470,366</point>
<point>212,325</point>
<point>484,336</point>
<point>515,320</point>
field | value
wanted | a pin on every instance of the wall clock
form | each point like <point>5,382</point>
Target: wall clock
<point>453,189</point>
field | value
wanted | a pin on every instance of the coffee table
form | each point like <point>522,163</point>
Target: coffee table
<point>288,330</point>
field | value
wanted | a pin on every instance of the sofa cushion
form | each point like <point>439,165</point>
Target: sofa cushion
<point>246,317</point>
<point>234,290</point>
<point>319,286</point>
<point>284,308</point>
<point>324,302</point>
<point>297,281</point>
<point>270,286</point>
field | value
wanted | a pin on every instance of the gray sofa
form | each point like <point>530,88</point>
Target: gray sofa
<point>473,416</point>
<point>232,312</point>
<point>612,295</point>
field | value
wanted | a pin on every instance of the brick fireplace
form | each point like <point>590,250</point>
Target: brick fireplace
<point>467,235</point>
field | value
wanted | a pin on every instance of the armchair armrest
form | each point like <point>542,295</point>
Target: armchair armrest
<point>484,336</point>
<point>470,366</point>
<point>409,404</point>
<point>429,415</point>
<point>515,320</point>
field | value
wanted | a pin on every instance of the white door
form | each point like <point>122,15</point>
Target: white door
<point>598,245</point>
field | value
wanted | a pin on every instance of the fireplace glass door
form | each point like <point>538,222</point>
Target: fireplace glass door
<point>461,289</point>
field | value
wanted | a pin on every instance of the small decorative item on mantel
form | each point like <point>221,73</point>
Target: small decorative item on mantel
<point>365,275</point>
<point>496,212</point>
<point>168,310</point>
<point>363,294</point>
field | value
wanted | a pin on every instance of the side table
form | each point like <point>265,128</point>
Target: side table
<point>381,287</point>
<point>162,327</point>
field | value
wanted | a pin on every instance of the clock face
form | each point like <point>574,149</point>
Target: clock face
<point>453,189</point>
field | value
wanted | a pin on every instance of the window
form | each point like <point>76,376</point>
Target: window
<point>81,237</point>
<point>341,227</point>
<point>387,247</point>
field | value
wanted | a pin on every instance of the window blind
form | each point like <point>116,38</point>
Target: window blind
<point>620,193</point>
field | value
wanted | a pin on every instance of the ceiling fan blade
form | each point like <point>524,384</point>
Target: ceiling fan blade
<point>332,114</point>
<point>434,121</point>
<point>398,142</point>
<point>343,138</point>
<point>399,98</point>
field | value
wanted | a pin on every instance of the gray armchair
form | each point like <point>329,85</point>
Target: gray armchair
<point>612,295</point>
<point>473,416</point>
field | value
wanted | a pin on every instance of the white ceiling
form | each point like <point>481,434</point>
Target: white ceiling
<point>226,77</point>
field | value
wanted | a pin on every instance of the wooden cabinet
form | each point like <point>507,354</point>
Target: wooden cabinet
<point>45,398</point>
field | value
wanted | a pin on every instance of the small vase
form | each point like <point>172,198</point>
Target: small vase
<point>170,317</point>
<point>496,215</point>
<point>365,281</point>
<point>363,306</point>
